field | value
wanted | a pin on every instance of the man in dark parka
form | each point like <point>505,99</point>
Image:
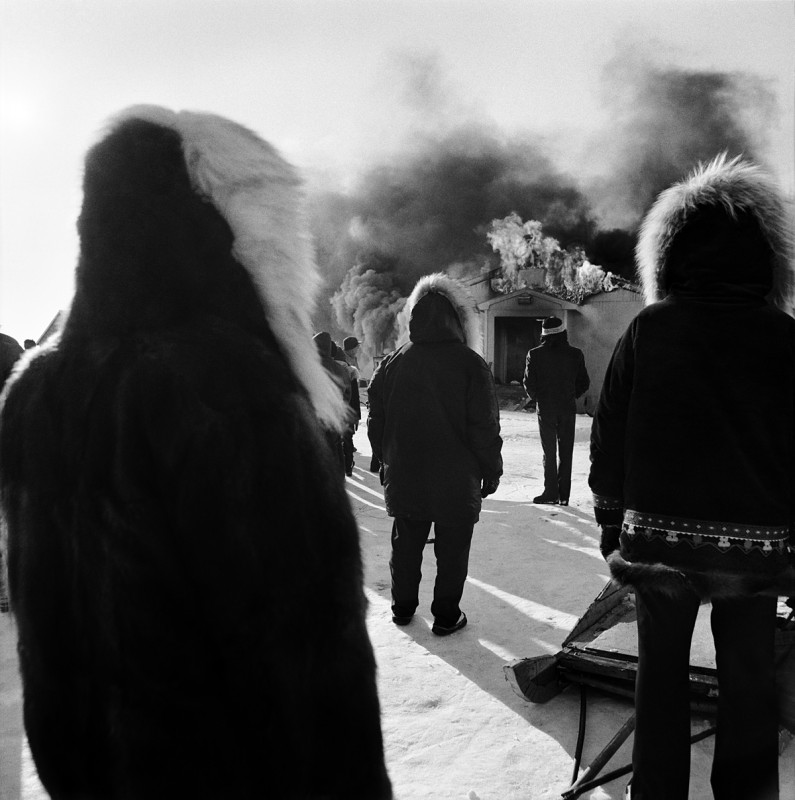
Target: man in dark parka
<point>693,470</point>
<point>434,425</point>
<point>555,376</point>
<point>339,374</point>
<point>347,356</point>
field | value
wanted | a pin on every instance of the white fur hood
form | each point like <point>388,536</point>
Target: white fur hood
<point>459,297</point>
<point>736,187</point>
<point>259,196</point>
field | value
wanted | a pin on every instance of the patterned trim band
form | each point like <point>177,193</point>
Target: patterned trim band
<point>611,503</point>
<point>697,532</point>
<point>738,530</point>
<point>549,331</point>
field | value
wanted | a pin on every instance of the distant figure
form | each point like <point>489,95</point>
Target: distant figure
<point>434,426</point>
<point>29,343</point>
<point>10,351</point>
<point>554,377</point>
<point>350,349</point>
<point>340,374</point>
<point>693,460</point>
<point>184,563</point>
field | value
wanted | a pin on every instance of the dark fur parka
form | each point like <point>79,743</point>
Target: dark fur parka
<point>693,440</point>
<point>184,565</point>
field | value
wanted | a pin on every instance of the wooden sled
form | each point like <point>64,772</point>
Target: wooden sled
<point>601,652</point>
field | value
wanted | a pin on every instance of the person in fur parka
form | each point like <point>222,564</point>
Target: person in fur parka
<point>434,425</point>
<point>693,469</point>
<point>184,564</point>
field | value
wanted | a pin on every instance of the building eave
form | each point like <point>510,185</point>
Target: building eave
<point>541,297</point>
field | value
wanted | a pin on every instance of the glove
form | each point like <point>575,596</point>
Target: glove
<point>489,486</point>
<point>381,473</point>
<point>610,540</point>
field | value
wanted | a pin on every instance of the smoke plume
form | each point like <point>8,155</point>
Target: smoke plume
<point>666,120</point>
<point>428,207</point>
<point>429,211</point>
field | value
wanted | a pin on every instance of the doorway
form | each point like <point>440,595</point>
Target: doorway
<point>513,337</point>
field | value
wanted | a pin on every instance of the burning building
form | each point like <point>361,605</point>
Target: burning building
<point>511,325</point>
<point>429,208</point>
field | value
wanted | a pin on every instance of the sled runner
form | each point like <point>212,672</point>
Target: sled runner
<point>601,652</point>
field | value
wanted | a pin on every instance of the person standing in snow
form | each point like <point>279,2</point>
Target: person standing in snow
<point>340,374</point>
<point>554,377</point>
<point>184,564</point>
<point>693,470</point>
<point>434,426</point>
<point>350,347</point>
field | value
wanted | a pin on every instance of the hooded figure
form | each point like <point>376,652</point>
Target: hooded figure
<point>555,376</point>
<point>184,565</point>
<point>10,351</point>
<point>434,425</point>
<point>693,469</point>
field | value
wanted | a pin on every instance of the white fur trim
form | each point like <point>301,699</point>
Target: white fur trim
<point>259,195</point>
<point>737,185</point>
<point>461,300</point>
<point>557,329</point>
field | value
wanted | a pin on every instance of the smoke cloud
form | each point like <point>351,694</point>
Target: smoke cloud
<point>427,208</point>
<point>665,121</point>
<point>429,211</point>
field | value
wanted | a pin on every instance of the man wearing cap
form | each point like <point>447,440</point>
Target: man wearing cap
<point>555,376</point>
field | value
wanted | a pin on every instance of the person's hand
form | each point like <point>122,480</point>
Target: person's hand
<point>489,486</point>
<point>381,473</point>
<point>610,540</point>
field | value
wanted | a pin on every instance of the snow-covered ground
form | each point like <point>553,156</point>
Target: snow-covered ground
<point>453,727</point>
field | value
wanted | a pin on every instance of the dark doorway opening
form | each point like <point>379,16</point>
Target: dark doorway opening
<point>514,336</point>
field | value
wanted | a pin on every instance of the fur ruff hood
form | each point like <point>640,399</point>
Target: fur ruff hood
<point>736,187</point>
<point>459,297</point>
<point>671,581</point>
<point>257,195</point>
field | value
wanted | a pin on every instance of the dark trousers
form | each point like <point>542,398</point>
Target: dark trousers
<point>451,547</point>
<point>557,441</point>
<point>745,764</point>
<point>334,441</point>
<point>347,450</point>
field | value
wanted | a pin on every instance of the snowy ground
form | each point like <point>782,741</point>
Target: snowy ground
<point>453,726</point>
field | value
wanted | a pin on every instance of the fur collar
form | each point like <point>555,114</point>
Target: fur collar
<point>259,196</point>
<point>461,300</point>
<point>737,186</point>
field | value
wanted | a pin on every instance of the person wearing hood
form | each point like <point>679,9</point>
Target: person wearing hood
<point>184,564</point>
<point>10,351</point>
<point>434,426</point>
<point>554,377</point>
<point>693,470</point>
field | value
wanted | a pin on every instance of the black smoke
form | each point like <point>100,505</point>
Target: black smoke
<point>429,210</point>
<point>663,122</point>
<point>429,206</point>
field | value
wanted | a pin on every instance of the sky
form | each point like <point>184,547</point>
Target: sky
<point>337,86</point>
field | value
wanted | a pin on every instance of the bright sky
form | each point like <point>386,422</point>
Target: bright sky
<point>326,82</point>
